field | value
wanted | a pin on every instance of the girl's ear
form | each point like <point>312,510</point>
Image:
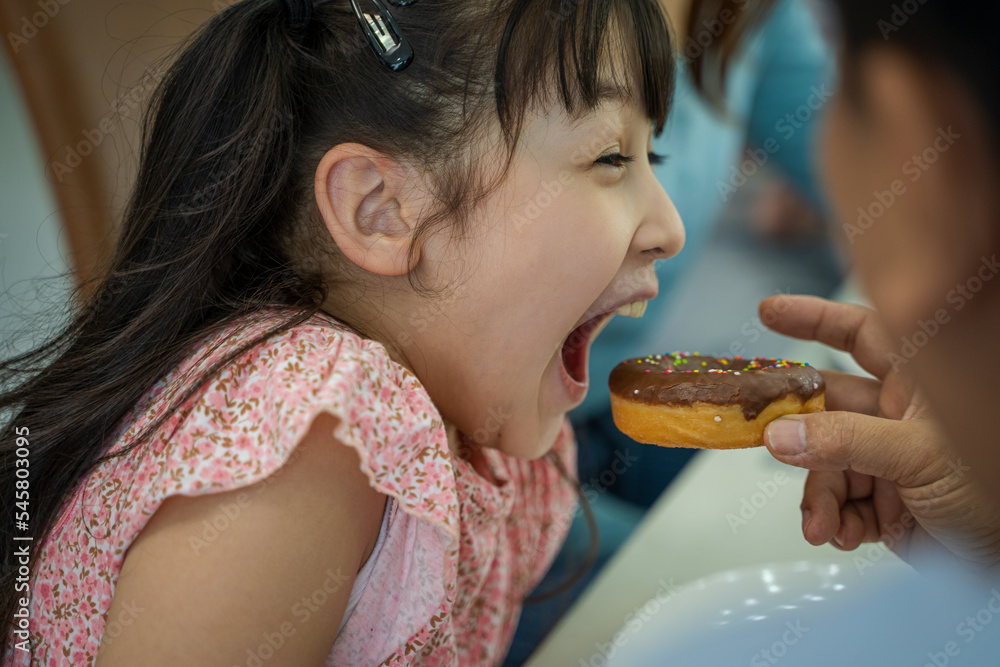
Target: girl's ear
<point>361,194</point>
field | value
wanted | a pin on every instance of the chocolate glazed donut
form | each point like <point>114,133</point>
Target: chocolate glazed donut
<point>682,400</point>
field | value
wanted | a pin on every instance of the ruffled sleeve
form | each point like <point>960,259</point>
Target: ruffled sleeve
<point>245,425</point>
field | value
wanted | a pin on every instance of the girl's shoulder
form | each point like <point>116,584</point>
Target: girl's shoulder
<point>245,420</point>
<point>316,359</point>
<point>236,429</point>
<point>295,365</point>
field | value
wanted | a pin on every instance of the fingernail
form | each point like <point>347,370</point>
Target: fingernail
<point>787,436</point>
<point>806,518</point>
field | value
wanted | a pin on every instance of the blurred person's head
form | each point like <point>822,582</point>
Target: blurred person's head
<point>911,161</point>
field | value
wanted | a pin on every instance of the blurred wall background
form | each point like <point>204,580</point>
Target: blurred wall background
<point>32,244</point>
<point>75,78</point>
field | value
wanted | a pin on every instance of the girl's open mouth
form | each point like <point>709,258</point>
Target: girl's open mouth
<point>576,349</point>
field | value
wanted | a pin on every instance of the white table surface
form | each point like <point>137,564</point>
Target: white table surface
<point>727,509</point>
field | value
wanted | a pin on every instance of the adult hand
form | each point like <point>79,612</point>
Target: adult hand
<point>880,469</point>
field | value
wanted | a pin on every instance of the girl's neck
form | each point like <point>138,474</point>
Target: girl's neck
<point>467,450</point>
<point>394,351</point>
<point>459,446</point>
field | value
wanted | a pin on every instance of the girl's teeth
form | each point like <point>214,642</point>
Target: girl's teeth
<point>635,309</point>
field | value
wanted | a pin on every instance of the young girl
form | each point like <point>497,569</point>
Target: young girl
<point>315,411</point>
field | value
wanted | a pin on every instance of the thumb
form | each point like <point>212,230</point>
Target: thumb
<point>908,452</point>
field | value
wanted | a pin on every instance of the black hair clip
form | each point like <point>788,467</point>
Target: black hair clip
<point>384,35</point>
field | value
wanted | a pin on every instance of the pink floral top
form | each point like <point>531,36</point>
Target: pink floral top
<point>459,553</point>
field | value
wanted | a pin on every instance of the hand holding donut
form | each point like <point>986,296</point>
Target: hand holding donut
<point>880,469</point>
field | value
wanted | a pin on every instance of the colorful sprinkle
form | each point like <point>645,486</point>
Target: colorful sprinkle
<point>677,360</point>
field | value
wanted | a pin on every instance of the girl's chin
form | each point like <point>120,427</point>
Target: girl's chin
<point>531,444</point>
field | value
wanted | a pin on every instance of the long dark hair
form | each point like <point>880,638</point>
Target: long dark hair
<point>221,223</point>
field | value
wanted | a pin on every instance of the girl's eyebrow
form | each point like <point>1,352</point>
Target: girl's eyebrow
<point>612,92</point>
<point>607,92</point>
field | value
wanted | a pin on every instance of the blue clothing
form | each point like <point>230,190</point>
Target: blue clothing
<point>783,69</point>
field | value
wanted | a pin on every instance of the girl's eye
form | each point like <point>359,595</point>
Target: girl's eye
<point>616,160</point>
<point>620,161</point>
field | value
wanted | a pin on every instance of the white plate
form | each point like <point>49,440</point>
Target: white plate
<point>759,615</point>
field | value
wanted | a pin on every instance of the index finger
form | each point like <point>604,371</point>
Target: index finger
<point>844,326</point>
<point>851,393</point>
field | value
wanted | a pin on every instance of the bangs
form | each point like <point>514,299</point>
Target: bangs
<point>583,52</point>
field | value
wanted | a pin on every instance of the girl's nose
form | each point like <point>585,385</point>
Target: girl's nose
<point>661,232</point>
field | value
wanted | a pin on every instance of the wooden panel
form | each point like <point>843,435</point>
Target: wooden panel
<point>87,68</point>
